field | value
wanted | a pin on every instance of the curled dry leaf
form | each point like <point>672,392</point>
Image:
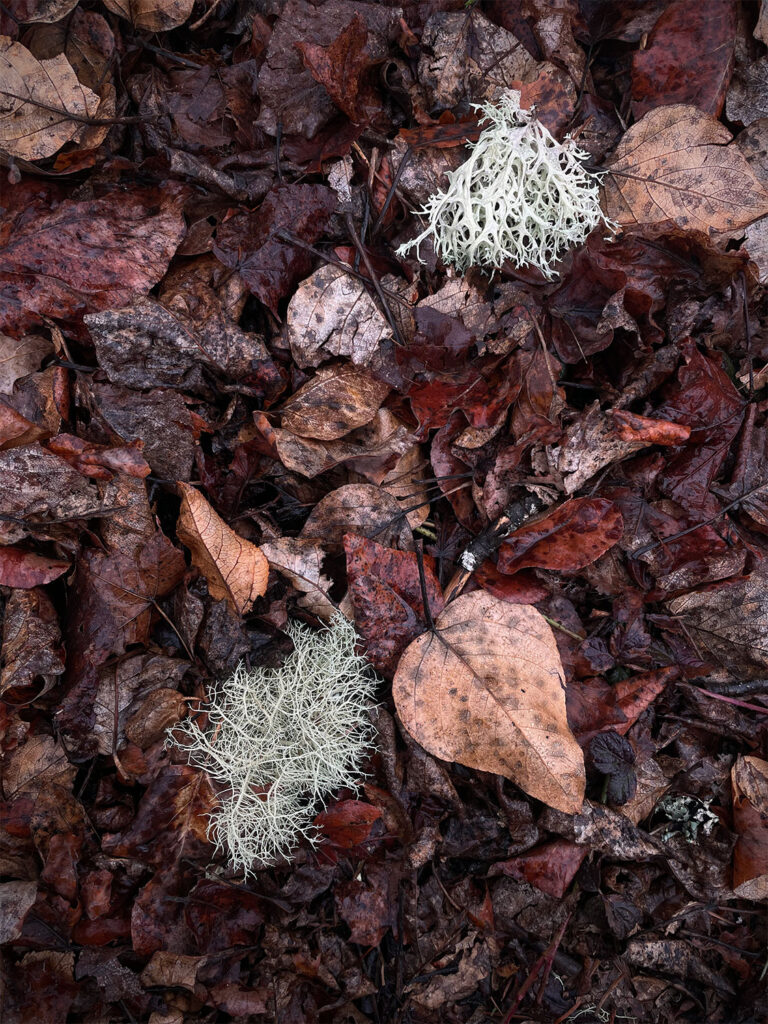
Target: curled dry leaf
<point>20,357</point>
<point>152,15</point>
<point>42,103</point>
<point>749,778</point>
<point>486,689</point>
<point>332,314</point>
<point>675,165</point>
<point>235,569</point>
<point>337,400</point>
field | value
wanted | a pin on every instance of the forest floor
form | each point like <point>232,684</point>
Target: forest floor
<point>227,404</point>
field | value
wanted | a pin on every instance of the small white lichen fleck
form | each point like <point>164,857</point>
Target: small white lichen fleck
<point>521,196</point>
<point>280,741</point>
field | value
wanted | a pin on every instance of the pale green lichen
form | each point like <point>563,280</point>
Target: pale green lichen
<point>280,741</point>
<point>521,196</point>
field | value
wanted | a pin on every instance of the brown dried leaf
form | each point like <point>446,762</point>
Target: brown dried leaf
<point>332,314</point>
<point>486,689</point>
<point>337,400</point>
<point>363,509</point>
<point>300,561</point>
<point>749,777</point>
<point>235,569</point>
<point>18,358</point>
<point>152,15</point>
<point>33,656</point>
<point>42,104</point>
<point>16,898</point>
<point>729,623</point>
<point>675,165</point>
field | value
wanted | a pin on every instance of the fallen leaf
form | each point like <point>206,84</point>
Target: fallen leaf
<point>359,508</point>
<point>340,68</point>
<point>368,905</point>
<point>386,597</point>
<point>171,821</point>
<point>270,265</point>
<point>449,69</point>
<point>29,11</point>
<point>18,357</point>
<point>688,57</point>
<point>147,345</point>
<point>235,569</point>
<point>551,867</point>
<point>20,568</point>
<point>290,95</point>
<point>337,400</point>
<point>370,450</point>
<point>152,15</point>
<point>40,489</point>
<point>347,823</point>
<point>16,898</point>
<point>729,621</point>
<point>675,165</point>
<point>300,561</point>
<point>33,654</point>
<point>486,689</point>
<point>96,253</point>
<point>42,104</point>
<point>332,314</point>
<point>569,538</point>
<point>749,778</point>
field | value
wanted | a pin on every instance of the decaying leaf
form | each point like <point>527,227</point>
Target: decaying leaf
<point>42,104</point>
<point>332,314</point>
<point>359,508</point>
<point>300,560</point>
<point>152,15</point>
<point>675,165</point>
<point>337,400</point>
<point>729,621</point>
<point>486,689</point>
<point>33,656</point>
<point>234,568</point>
<point>749,778</point>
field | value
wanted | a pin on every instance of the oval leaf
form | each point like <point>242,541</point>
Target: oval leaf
<point>337,400</point>
<point>675,165</point>
<point>234,568</point>
<point>486,690</point>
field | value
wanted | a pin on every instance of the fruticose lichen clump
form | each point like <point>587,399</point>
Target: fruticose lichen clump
<point>280,741</point>
<point>521,196</point>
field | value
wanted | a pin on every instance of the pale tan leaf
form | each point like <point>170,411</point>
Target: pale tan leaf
<point>29,11</point>
<point>332,314</point>
<point>405,482</point>
<point>152,15</point>
<point>42,103</point>
<point>234,568</point>
<point>675,165</point>
<point>300,560</point>
<point>18,357</point>
<point>487,690</point>
<point>337,400</point>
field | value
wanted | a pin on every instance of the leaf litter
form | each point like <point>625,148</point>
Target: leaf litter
<point>227,404</point>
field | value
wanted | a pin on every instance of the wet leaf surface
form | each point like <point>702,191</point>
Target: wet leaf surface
<point>227,404</point>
